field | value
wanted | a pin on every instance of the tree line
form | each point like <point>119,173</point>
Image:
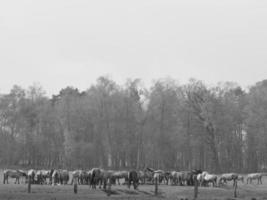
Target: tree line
<point>222,128</point>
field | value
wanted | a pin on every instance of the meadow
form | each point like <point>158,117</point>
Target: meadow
<point>13,191</point>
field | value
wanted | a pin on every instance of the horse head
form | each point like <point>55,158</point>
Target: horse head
<point>23,173</point>
<point>149,169</point>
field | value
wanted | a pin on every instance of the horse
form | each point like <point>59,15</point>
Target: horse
<point>89,177</point>
<point>43,175</point>
<point>167,176</point>
<point>148,175</point>
<point>187,178</point>
<point>39,177</point>
<point>254,176</point>
<point>240,178</point>
<point>74,175</point>
<point>50,173</point>
<point>80,175</point>
<point>200,179</point>
<point>55,177</point>
<point>95,177</point>
<point>119,175</point>
<point>107,177</point>
<point>228,177</point>
<point>31,175</point>
<point>13,174</point>
<point>209,178</point>
<point>163,176</point>
<point>141,177</point>
<point>133,178</point>
<point>63,177</point>
<point>176,178</point>
<point>156,176</point>
<point>160,175</point>
<point>23,173</point>
<point>83,177</point>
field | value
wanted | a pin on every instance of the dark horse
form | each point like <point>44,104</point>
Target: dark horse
<point>188,177</point>
<point>63,177</point>
<point>95,177</point>
<point>133,178</point>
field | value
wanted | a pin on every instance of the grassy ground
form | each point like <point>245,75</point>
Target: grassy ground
<point>47,192</point>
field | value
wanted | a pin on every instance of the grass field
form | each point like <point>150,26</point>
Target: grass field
<point>46,192</point>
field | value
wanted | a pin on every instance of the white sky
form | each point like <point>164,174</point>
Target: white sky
<point>72,42</point>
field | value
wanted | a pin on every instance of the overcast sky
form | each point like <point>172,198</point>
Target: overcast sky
<point>72,42</point>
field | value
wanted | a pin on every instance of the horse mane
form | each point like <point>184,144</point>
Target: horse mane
<point>150,169</point>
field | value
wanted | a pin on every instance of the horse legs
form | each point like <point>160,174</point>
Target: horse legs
<point>135,184</point>
<point>129,183</point>
<point>105,184</point>
<point>259,180</point>
<point>93,183</point>
<point>167,180</point>
<point>100,182</point>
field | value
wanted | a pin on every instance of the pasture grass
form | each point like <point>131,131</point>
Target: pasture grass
<point>46,192</point>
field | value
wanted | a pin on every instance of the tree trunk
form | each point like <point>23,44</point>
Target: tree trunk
<point>212,144</point>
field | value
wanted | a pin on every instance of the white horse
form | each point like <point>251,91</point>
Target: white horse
<point>254,176</point>
<point>205,178</point>
<point>200,179</point>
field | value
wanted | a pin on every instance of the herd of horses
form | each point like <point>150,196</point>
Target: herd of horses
<point>101,178</point>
